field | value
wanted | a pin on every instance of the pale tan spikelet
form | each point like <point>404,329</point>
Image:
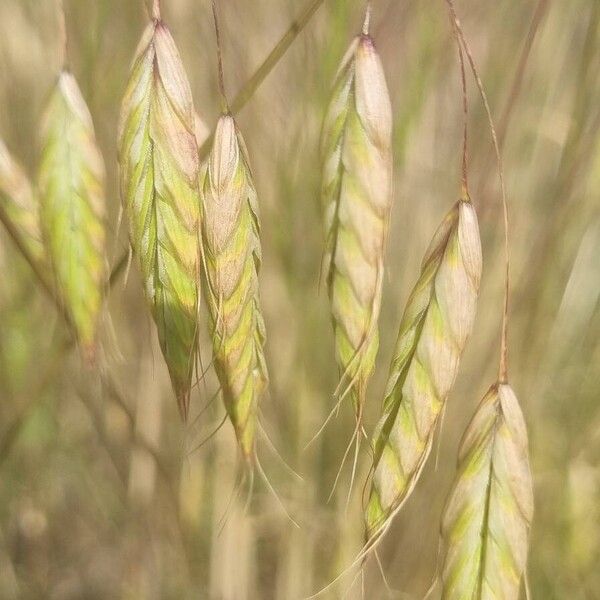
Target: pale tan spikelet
<point>72,208</point>
<point>231,243</point>
<point>433,332</point>
<point>20,203</point>
<point>158,157</point>
<point>356,192</point>
<point>486,522</point>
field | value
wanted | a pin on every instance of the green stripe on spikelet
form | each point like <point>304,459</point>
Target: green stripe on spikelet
<point>486,522</point>
<point>72,206</point>
<point>433,332</point>
<point>158,157</point>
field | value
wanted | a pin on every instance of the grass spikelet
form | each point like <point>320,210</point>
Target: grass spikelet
<point>158,157</point>
<point>485,528</point>
<point>356,152</point>
<point>433,332</point>
<point>72,206</point>
<point>19,202</point>
<point>230,233</point>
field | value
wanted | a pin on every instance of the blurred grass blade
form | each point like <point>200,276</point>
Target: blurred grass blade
<point>19,203</point>
<point>158,158</point>
<point>275,55</point>
<point>230,233</point>
<point>436,324</point>
<point>486,522</point>
<point>71,182</point>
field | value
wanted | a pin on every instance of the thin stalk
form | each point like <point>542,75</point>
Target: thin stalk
<point>463,78</point>
<point>222,94</point>
<point>465,105</point>
<point>62,36</point>
<point>503,368</point>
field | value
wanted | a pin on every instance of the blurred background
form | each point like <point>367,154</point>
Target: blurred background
<point>103,493</point>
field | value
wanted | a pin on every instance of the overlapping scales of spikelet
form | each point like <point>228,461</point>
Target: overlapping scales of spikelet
<point>486,521</point>
<point>72,208</point>
<point>231,243</point>
<point>436,323</point>
<point>158,157</point>
<point>356,153</point>
<point>19,202</point>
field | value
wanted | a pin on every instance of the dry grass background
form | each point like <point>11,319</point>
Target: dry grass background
<point>95,499</point>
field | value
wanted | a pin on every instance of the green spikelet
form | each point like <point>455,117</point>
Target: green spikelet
<point>72,205</point>
<point>433,332</point>
<point>485,528</point>
<point>230,234</point>
<point>356,194</point>
<point>158,158</point>
<point>19,202</point>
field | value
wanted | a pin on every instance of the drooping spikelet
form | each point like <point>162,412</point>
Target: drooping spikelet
<point>433,332</point>
<point>356,193</point>
<point>230,234</point>
<point>485,528</point>
<point>158,158</point>
<point>19,202</point>
<point>72,208</point>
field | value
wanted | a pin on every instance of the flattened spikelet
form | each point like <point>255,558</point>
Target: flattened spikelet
<point>433,332</point>
<point>486,522</point>
<point>19,202</point>
<point>158,158</point>
<point>230,233</point>
<point>356,195</point>
<point>72,204</point>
